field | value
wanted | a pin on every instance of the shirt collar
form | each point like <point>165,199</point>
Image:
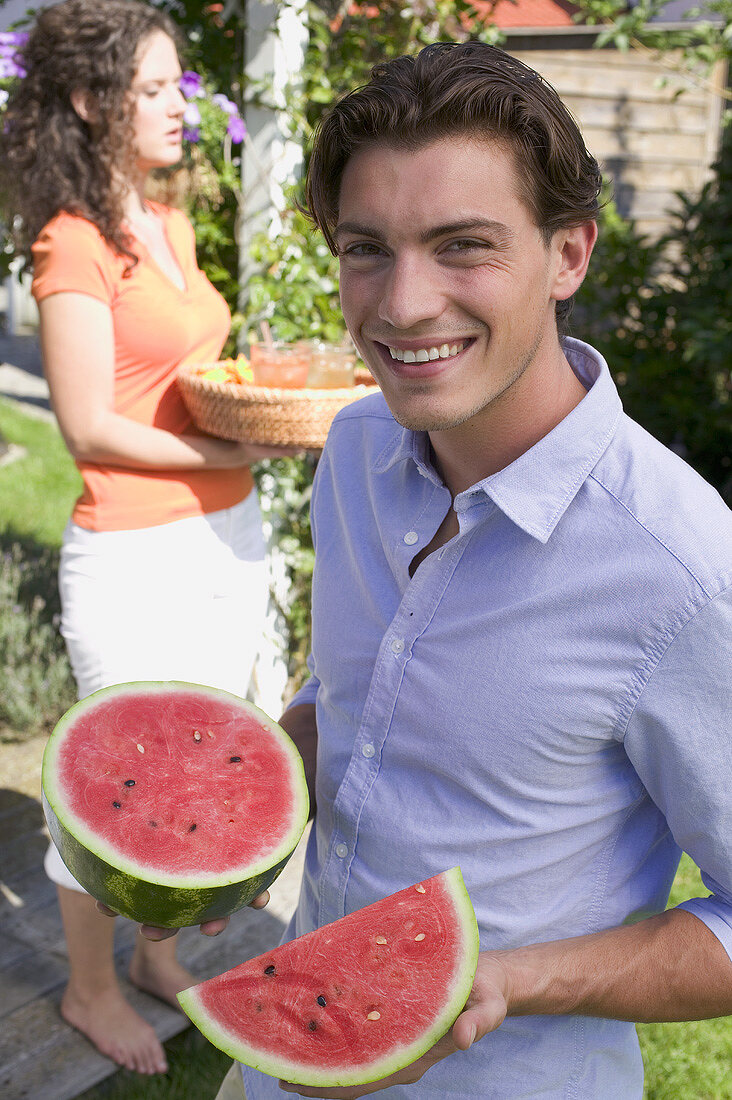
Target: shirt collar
<point>535,490</point>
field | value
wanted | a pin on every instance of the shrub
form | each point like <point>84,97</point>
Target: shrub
<point>661,315</point>
<point>37,682</point>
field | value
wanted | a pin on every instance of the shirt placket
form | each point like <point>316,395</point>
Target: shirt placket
<point>416,609</point>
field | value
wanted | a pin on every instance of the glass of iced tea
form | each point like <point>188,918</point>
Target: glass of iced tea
<point>331,366</point>
<point>281,366</point>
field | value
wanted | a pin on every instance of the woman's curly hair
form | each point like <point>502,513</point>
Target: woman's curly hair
<point>50,159</point>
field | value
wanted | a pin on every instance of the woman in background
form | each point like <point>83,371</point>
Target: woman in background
<point>162,565</point>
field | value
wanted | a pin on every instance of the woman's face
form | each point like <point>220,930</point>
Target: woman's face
<point>158,104</point>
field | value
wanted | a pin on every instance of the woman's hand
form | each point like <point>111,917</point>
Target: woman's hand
<point>77,339</point>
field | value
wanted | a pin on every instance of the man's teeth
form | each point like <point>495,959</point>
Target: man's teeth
<point>423,355</point>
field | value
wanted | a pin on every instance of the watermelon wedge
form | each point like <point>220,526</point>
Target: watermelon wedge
<point>355,1000</point>
<point>172,803</point>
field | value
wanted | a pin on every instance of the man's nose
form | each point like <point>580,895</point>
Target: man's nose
<point>411,294</point>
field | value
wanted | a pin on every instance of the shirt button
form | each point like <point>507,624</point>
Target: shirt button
<point>341,851</point>
<point>411,537</point>
<point>397,646</point>
<point>368,751</point>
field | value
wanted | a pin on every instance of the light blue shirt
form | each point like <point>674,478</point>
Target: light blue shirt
<point>546,702</point>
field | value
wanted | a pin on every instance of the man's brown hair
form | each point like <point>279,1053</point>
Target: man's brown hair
<point>467,89</point>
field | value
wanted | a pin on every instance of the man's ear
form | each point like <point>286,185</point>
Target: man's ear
<point>84,104</point>
<point>572,249</point>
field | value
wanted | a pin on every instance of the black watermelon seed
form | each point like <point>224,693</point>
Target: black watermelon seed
<point>269,969</point>
<point>235,760</point>
<point>321,1001</point>
<point>193,828</point>
<point>313,1025</point>
<point>117,805</point>
<point>153,824</point>
<point>129,782</point>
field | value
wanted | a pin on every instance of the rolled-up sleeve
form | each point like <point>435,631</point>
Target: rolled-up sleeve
<point>679,741</point>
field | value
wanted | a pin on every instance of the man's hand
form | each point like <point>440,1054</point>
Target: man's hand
<point>484,1011</point>
<point>208,928</point>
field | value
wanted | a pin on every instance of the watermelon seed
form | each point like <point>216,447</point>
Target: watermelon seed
<point>269,969</point>
<point>420,889</point>
<point>117,805</point>
<point>194,827</point>
<point>374,1016</point>
<point>321,1001</point>
<point>420,936</point>
<point>140,748</point>
<point>129,782</point>
<point>381,939</point>
<point>209,734</point>
<point>313,1025</point>
<point>153,824</point>
<point>196,735</point>
<point>235,760</point>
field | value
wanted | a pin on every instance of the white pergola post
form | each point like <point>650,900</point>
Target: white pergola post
<point>276,37</point>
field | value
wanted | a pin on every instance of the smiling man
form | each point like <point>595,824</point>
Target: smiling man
<point>521,602</point>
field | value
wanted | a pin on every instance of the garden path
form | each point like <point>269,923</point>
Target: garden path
<point>41,1057</point>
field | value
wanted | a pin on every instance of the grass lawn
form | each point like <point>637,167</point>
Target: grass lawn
<point>37,491</point>
<point>690,1061</point>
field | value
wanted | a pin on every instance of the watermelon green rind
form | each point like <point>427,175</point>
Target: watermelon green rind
<point>295,1073</point>
<point>168,901</point>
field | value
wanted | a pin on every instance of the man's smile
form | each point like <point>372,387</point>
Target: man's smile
<point>432,355</point>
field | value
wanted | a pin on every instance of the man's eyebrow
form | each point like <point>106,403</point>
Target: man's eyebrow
<point>498,229</point>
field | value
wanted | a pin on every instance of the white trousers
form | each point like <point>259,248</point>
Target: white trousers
<point>180,601</point>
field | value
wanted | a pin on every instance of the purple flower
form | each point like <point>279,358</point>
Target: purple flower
<point>13,38</point>
<point>191,115</point>
<point>10,68</point>
<point>224,103</point>
<point>191,133</point>
<point>236,129</point>
<point>191,84</point>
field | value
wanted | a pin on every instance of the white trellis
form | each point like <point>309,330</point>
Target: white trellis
<point>276,38</point>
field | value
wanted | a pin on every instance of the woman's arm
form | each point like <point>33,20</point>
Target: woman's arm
<point>77,342</point>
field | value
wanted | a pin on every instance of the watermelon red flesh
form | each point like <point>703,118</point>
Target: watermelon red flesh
<point>355,1000</point>
<point>171,785</point>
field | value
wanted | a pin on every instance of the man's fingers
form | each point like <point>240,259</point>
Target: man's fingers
<point>151,932</point>
<point>102,908</point>
<point>214,927</point>
<point>260,901</point>
<point>478,1020</point>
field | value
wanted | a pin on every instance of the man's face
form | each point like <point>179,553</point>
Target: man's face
<point>446,283</point>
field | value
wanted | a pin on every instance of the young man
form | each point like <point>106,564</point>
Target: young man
<point>521,602</point>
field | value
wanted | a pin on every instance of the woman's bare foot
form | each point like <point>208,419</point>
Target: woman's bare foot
<point>93,1002</point>
<point>155,969</point>
<point>115,1029</point>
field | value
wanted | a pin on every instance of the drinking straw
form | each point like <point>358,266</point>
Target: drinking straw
<point>266,333</point>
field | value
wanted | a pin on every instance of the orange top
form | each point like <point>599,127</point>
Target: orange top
<point>157,327</point>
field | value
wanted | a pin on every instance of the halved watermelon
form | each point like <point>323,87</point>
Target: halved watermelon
<point>355,1000</point>
<point>172,803</point>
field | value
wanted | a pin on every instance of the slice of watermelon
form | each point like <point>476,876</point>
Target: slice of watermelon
<point>172,803</point>
<point>355,1000</point>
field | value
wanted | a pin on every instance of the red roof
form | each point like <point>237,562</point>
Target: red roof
<point>526,13</point>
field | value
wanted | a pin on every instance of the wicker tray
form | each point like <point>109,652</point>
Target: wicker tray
<point>264,415</point>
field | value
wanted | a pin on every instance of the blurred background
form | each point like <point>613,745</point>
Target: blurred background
<point>649,84</point>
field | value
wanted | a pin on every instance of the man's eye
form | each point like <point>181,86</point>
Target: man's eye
<point>363,248</point>
<point>465,245</point>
